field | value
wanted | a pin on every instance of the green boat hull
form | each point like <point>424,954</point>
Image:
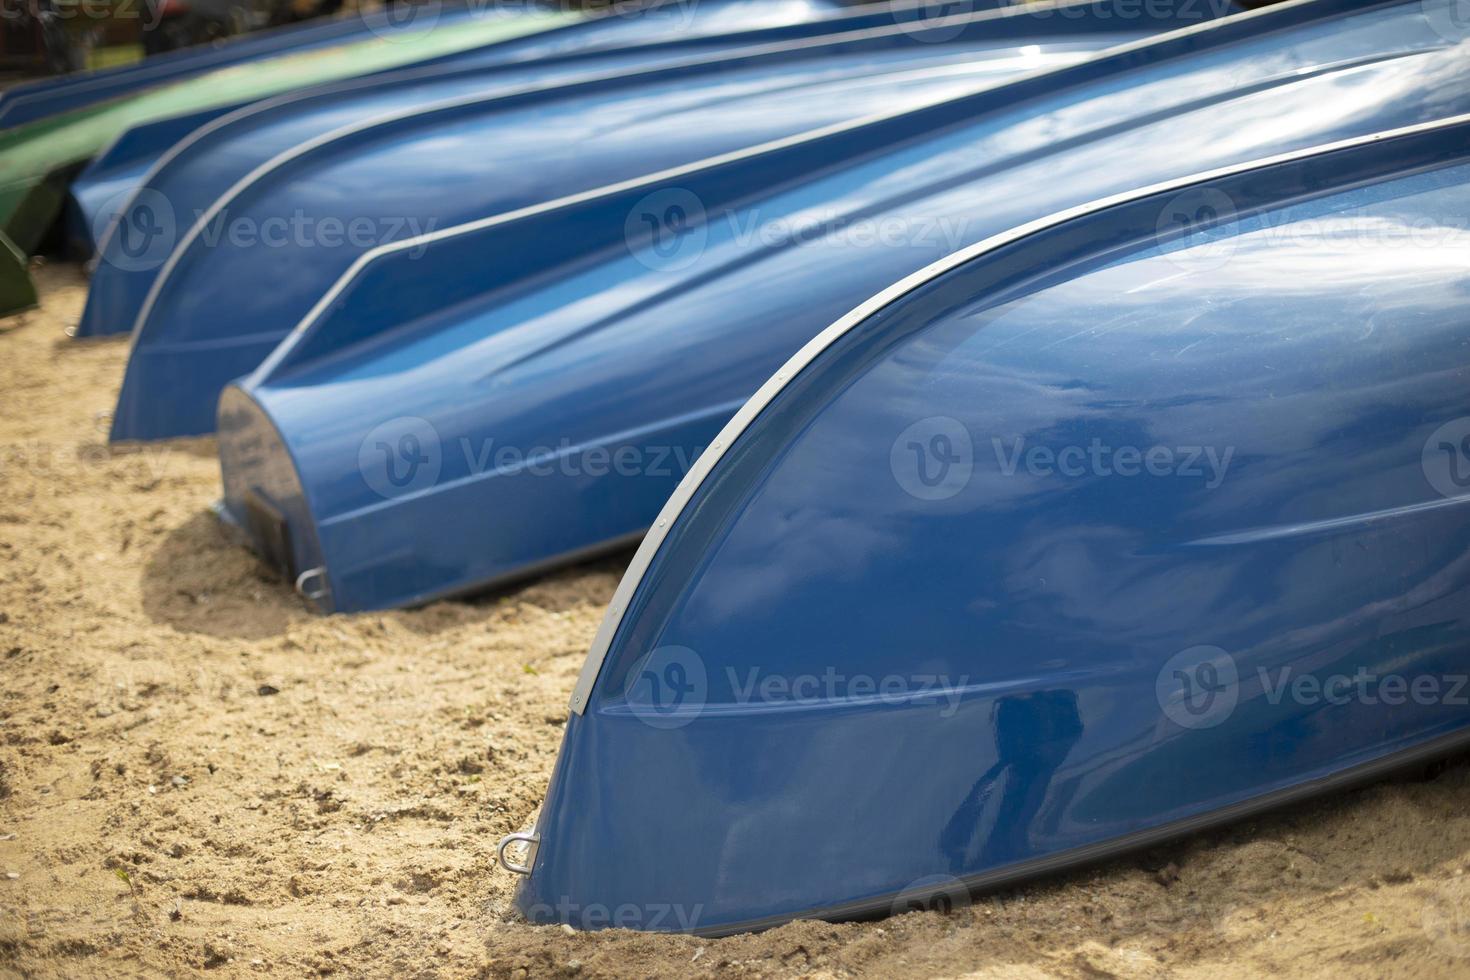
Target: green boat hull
<point>17,292</point>
<point>38,161</point>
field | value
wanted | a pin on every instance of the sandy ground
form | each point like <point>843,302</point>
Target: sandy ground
<point>198,776</point>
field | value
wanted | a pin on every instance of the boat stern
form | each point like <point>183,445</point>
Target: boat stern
<point>264,500</point>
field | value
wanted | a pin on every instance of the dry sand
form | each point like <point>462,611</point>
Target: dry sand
<point>196,775</point>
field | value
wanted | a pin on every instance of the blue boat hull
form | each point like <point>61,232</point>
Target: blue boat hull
<point>1124,523</point>
<point>664,29</point>
<point>634,23</point>
<point>197,310</point>
<point>542,393</point>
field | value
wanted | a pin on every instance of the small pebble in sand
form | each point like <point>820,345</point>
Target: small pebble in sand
<point>12,875</point>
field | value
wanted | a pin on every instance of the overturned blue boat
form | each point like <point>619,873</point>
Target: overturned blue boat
<point>1129,522</point>
<point>538,397</point>
<point>633,34</point>
<point>199,317</point>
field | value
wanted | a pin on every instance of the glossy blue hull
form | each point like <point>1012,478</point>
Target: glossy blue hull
<point>199,315</point>
<point>1117,525</point>
<point>527,391</point>
<point>665,29</point>
<point>32,101</point>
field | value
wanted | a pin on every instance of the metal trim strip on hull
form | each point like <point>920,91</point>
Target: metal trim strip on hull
<point>180,65</point>
<point>702,467</point>
<point>594,81</point>
<point>1236,27</point>
<point>330,91</point>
